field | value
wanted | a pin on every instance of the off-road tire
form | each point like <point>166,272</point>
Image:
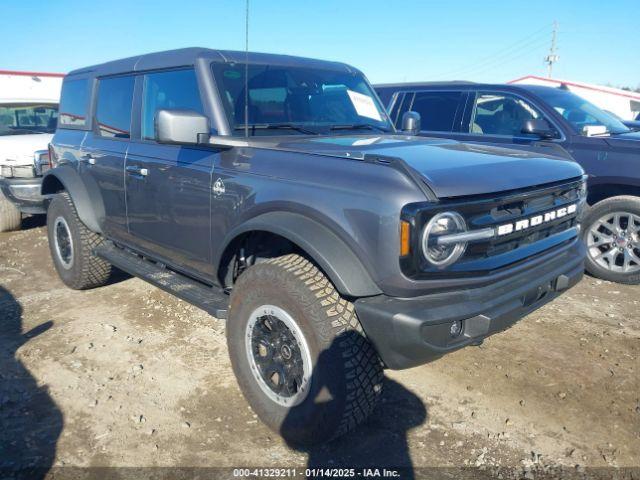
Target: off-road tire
<point>86,270</point>
<point>10,216</point>
<point>624,203</point>
<point>347,374</point>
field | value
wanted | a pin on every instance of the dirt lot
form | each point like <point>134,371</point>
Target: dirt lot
<point>127,375</point>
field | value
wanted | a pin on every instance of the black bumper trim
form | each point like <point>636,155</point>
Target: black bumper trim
<point>411,331</point>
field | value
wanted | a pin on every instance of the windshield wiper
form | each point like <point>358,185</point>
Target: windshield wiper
<point>278,126</point>
<point>359,126</point>
<point>609,134</point>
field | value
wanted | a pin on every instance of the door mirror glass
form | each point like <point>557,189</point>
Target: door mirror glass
<point>181,127</point>
<point>411,123</point>
<point>539,127</point>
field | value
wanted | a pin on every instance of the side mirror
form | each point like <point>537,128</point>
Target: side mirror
<point>539,127</point>
<point>411,123</point>
<point>181,127</point>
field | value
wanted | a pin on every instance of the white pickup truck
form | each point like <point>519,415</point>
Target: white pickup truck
<point>28,116</point>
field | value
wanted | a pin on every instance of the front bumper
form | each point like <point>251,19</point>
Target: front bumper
<point>411,331</point>
<point>24,193</point>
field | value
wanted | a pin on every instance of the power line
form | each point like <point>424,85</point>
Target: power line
<point>505,58</point>
<point>511,59</point>
<point>515,46</point>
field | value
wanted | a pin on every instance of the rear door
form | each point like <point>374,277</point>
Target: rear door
<point>168,187</point>
<point>440,111</point>
<point>103,154</point>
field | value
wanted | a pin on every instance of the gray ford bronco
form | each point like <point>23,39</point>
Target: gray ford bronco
<point>273,191</point>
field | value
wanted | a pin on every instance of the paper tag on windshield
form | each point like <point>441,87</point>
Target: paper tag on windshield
<point>364,105</point>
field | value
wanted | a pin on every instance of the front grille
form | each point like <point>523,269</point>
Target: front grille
<point>493,211</point>
<point>20,171</point>
<point>523,206</point>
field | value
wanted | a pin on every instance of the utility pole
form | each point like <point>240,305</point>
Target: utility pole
<point>552,57</point>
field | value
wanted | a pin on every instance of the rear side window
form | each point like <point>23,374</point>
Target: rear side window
<point>437,110</point>
<point>168,90</point>
<point>74,103</point>
<point>113,110</point>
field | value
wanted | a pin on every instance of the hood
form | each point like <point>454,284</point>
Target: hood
<point>450,168</point>
<point>17,150</point>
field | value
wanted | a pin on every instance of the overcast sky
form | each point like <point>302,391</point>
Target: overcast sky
<point>488,41</point>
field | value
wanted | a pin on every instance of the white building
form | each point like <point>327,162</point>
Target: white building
<point>623,103</point>
<point>29,87</point>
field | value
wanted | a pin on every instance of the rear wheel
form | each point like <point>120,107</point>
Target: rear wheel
<point>10,216</point>
<point>612,237</point>
<point>71,244</point>
<point>299,352</point>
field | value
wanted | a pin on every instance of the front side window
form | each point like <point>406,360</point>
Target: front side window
<point>501,114</point>
<point>23,119</point>
<point>113,110</point>
<point>74,103</point>
<point>584,117</point>
<point>176,89</point>
<point>437,110</point>
<point>293,100</point>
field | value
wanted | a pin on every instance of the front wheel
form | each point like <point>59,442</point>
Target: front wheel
<point>299,353</point>
<point>612,237</point>
<point>71,244</point>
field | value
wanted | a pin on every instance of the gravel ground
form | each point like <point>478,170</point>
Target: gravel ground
<point>128,376</point>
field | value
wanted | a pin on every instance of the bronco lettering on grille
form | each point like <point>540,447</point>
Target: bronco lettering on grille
<point>527,223</point>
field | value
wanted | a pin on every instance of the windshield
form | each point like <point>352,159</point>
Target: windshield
<point>22,119</point>
<point>581,114</point>
<point>298,100</point>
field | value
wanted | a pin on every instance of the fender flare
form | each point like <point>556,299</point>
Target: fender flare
<point>66,178</point>
<point>336,259</point>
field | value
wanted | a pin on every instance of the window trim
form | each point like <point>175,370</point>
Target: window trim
<point>94,103</point>
<point>90,81</point>
<point>545,116</point>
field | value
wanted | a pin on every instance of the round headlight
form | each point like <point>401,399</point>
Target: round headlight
<point>443,254</point>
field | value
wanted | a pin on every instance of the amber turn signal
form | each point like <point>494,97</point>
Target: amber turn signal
<point>404,238</point>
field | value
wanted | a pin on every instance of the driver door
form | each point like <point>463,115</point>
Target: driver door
<point>168,187</point>
<point>497,118</point>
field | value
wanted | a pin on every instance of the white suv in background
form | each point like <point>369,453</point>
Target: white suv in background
<point>28,116</point>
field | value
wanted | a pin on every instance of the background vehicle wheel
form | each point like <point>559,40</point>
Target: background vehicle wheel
<point>611,232</point>
<point>299,353</point>
<point>10,216</point>
<point>71,244</point>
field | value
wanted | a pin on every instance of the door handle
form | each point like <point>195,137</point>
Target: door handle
<point>90,160</point>
<point>135,170</point>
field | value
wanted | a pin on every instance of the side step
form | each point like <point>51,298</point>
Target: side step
<point>209,299</point>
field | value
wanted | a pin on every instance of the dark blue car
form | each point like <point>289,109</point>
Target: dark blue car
<point>548,120</point>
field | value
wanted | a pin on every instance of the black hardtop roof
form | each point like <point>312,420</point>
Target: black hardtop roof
<point>423,84</point>
<point>464,85</point>
<point>189,56</point>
